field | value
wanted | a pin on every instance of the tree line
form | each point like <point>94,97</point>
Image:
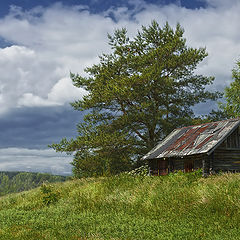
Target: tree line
<point>137,94</point>
<point>13,182</point>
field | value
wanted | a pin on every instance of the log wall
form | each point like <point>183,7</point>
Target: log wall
<point>175,164</point>
<point>226,160</point>
<point>178,163</point>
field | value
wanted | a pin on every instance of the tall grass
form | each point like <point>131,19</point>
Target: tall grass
<point>180,206</point>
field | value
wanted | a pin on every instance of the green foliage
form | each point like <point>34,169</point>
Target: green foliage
<point>13,182</point>
<point>126,207</point>
<point>48,195</point>
<point>136,95</point>
<point>140,171</point>
<point>232,94</point>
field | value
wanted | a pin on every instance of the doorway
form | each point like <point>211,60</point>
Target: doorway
<point>162,167</point>
<point>188,165</point>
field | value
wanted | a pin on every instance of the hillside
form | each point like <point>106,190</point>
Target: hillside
<point>13,182</point>
<point>182,206</point>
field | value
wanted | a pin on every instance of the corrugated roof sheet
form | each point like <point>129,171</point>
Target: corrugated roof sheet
<point>203,138</point>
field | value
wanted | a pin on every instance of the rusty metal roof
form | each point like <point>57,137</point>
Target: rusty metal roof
<point>197,139</point>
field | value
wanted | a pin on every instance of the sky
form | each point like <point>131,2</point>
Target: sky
<point>42,41</point>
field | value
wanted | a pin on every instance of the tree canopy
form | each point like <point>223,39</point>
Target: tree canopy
<point>232,94</point>
<point>136,95</point>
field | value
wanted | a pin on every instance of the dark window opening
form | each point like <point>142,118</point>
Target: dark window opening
<point>188,166</point>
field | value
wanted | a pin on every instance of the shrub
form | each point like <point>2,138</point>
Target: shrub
<point>141,171</point>
<point>48,195</point>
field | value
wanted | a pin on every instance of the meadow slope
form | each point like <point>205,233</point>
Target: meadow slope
<point>182,206</point>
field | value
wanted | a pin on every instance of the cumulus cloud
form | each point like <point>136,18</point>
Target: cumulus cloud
<point>29,100</point>
<point>22,73</point>
<point>47,45</point>
<point>50,42</point>
<point>62,92</point>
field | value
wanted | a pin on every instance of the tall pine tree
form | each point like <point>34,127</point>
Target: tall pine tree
<point>136,95</point>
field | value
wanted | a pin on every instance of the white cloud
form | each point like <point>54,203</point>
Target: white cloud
<point>34,160</point>
<point>64,91</point>
<point>30,100</point>
<point>24,74</point>
<point>51,42</point>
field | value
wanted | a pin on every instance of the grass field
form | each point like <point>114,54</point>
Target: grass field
<point>181,206</point>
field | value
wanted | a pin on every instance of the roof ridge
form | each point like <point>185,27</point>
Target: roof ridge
<point>201,124</point>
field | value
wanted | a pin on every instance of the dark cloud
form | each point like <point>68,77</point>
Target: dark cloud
<point>26,133</point>
<point>35,128</point>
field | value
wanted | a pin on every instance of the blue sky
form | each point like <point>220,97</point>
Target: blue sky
<point>95,6</point>
<point>42,41</point>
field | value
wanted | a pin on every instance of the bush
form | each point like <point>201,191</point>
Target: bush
<point>48,195</point>
<point>141,171</point>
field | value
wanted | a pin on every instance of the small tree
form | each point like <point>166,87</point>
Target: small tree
<point>232,94</point>
<point>136,95</point>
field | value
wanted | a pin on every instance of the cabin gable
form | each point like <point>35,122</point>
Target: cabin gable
<point>232,141</point>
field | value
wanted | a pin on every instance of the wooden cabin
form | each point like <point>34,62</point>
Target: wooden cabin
<point>211,146</point>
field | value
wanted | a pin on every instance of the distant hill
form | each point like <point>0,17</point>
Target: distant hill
<point>178,206</point>
<point>13,182</point>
